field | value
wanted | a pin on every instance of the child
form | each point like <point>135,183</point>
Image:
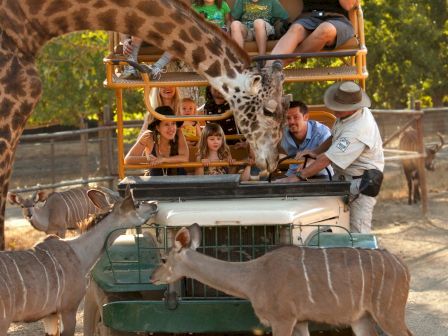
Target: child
<point>254,20</point>
<point>212,148</point>
<point>190,129</point>
<point>214,11</point>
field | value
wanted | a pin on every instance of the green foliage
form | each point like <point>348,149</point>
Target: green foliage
<point>407,55</point>
<point>73,73</point>
<point>407,59</point>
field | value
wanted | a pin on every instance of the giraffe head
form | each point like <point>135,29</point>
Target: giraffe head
<point>259,112</point>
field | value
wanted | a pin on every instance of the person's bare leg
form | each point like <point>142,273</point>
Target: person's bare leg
<point>237,32</point>
<point>260,35</point>
<point>288,42</point>
<point>325,34</point>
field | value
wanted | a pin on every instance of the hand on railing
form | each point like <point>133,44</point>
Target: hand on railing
<point>306,153</point>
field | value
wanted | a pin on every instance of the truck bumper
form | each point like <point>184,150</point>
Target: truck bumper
<point>190,316</point>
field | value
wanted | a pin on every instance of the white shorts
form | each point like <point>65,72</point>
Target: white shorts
<point>250,36</point>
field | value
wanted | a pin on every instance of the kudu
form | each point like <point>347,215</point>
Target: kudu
<point>409,142</point>
<point>62,211</point>
<point>49,281</point>
<point>291,285</point>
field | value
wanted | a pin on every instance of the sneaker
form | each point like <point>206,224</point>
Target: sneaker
<point>156,72</point>
<point>130,72</point>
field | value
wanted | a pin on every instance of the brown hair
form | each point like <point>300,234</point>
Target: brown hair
<point>213,129</point>
<point>218,3</point>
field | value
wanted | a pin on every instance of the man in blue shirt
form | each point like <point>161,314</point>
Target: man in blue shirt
<point>301,134</point>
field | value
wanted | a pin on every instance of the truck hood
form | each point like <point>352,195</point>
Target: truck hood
<point>256,211</point>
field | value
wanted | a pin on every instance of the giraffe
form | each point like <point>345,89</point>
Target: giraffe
<point>254,94</point>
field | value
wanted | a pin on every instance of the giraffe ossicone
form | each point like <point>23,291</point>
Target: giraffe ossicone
<point>27,25</point>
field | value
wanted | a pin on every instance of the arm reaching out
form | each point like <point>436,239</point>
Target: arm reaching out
<point>315,152</point>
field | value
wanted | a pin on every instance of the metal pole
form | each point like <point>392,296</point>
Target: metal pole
<point>421,161</point>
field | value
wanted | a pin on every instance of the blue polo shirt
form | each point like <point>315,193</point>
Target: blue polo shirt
<point>316,134</point>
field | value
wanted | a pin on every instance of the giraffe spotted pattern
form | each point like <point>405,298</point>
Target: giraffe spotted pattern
<point>26,25</point>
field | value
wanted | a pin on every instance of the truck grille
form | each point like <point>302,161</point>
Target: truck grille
<point>133,262</point>
<point>234,243</point>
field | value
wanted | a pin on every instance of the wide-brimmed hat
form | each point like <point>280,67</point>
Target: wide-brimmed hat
<point>166,111</point>
<point>345,96</point>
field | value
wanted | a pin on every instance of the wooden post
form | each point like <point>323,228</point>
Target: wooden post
<point>53,162</point>
<point>102,144</point>
<point>110,162</point>
<point>84,137</point>
<point>421,161</point>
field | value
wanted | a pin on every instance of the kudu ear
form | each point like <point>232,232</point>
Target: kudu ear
<point>112,196</point>
<point>42,195</point>
<point>14,198</point>
<point>128,202</point>
<point>195,236</point>
<point>442,142</point>
<point>182,239</point>
<point>98,198</point>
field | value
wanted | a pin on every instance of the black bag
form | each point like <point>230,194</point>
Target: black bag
<point>371,181</point>
<point>281,27</point>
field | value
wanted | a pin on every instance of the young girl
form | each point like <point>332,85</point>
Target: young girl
<point>212,148</point>
<point>214,11</point>
<point>190,129</point>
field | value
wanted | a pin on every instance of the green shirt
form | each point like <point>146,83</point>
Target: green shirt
<point>247,11</point>
<point>213,14</point>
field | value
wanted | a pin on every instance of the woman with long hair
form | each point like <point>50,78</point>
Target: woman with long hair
<point>160,143</point>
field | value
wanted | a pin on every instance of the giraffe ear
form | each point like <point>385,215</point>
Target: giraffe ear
<point>254,85</point>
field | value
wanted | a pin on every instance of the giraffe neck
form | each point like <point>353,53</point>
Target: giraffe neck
<point>172,25</point>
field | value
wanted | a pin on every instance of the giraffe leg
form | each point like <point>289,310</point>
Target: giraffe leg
<point>21,91</point>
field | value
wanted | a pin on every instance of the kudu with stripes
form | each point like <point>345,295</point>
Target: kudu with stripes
<point>409,142</point>
<point>62,211</point>
<point>290,286</point>
<point>48,281</point>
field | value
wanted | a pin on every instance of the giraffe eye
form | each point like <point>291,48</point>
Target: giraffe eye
<point>268,113</point>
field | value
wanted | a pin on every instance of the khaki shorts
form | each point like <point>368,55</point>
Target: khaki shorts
<point>250,36</point>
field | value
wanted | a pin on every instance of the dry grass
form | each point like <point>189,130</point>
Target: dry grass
<point>25,237</point>
<point>22,238</point>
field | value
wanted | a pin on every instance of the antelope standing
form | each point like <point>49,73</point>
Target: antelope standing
<point>62,211</point>
<point>48,281</point>
<point>409,142</point>
<point>292,285</point>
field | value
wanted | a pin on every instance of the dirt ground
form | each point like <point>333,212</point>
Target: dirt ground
<point>422,241</point>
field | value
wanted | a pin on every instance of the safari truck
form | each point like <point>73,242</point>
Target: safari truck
<point>240,221</point>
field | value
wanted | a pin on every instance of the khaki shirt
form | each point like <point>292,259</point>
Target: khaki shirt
<point>356,144</point>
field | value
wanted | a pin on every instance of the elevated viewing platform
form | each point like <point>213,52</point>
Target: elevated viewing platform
<point>350,65</point>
